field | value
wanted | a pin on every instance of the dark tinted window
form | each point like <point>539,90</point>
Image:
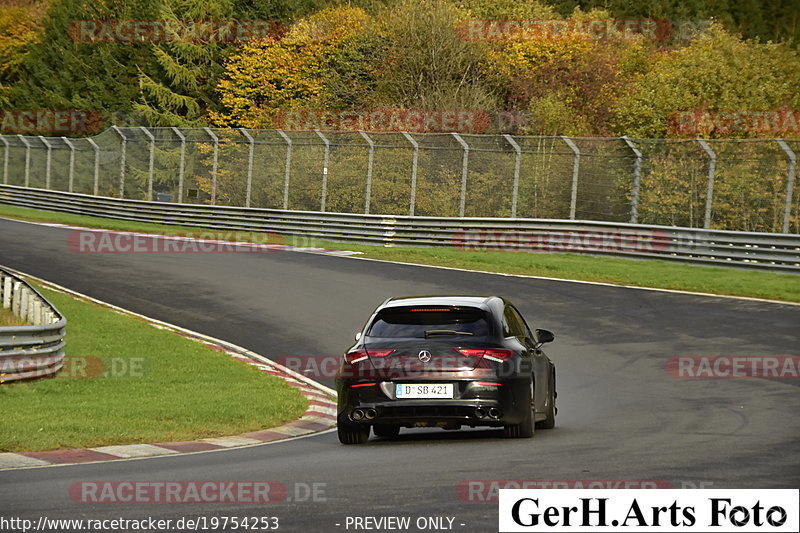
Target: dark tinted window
<point>414,322</point>
<point>513,324</point>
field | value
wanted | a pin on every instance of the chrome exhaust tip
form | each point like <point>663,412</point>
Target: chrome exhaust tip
<point>495,413</point>
<point>370,413</point>
<point>480,412</point>
<point>358,414</point>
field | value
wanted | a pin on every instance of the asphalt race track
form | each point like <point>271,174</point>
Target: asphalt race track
<point>621,415</point>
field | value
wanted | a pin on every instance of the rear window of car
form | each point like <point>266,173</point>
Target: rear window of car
<point>419,322</point>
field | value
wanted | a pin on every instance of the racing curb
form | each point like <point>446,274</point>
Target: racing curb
<point>319,416</point>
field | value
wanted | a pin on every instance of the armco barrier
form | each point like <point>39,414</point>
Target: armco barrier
<point>771,251</point>
<point>34,350</point>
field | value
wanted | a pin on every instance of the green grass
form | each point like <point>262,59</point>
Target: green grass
<point>162,387</point>
<point>621,271</point>
<point>7,318</point>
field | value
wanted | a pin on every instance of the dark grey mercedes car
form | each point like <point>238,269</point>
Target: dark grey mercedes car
<point>445,361</point>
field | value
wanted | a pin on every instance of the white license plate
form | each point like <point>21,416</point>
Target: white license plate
<point>424,390</point>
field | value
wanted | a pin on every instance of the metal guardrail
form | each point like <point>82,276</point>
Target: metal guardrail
<point>35,350</point>
<point>770,251</point>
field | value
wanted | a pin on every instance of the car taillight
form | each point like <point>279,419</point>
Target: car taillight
<point>493,354</point>
<point>356,356</point>
<point>500,356</point>
<point>379,353</point>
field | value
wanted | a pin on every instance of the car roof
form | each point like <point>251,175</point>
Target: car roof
<point>482,302</point>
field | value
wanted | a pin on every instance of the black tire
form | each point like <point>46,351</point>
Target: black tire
<point>550,421</point>
<point>523,430</point>
<point>386,431</point>
<point>352,433</point>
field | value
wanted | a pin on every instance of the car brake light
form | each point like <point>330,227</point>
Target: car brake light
<point>379,353</point>
<point>363,385</point>
<point>500,356</point>
<point>471,352</point>
<point>356,356</point>
<point>489,384</point>
<point>430,309</point>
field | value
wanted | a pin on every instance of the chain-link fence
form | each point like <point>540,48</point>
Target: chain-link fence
<point>745,185</point>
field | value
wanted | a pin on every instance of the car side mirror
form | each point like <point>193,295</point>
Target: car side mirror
<point>545,336</point>
<point>358,336</point>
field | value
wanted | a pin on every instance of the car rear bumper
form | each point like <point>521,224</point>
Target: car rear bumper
<point>474,406</point>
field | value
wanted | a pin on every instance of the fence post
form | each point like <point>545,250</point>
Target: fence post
<point>287,166</point>
<point>368,192</point>
<point>5,160</point>
<point>48,162</point>
<point>149,162</point>
<point>27,160</point>
<point>637,178</point>
<point>517,157</point>
<point>182,163</point>
<point>71,162</point>
<point>414,161</point>
<point>324,170</point>
<point>712,165</point>
<point>576,164</point>
<point>122,155</point>
<point>787,210</point>
<point>214,167</point>
<point>96,165</point>
<point>249,186</point>
<point>464,169</point>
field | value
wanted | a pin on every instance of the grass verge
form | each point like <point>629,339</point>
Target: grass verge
<point>7,318</point>
<point>643,273</point>
<point>127,382</point>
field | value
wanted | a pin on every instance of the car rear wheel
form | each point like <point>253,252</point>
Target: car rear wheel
<point>550,421</point>
<point>386,431</point>
<point>524,429</point>
<point>352,433</point>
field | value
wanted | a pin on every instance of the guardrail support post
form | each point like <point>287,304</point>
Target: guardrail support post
<point>637,179</point>
<point>517,158</point>
<point>122,156</point>
<point>7,280</point>
<point>5,160</point>
<point>182,163</point>
<point>96,165</point>
<point>149,162</point>
<point>415,158</point>
<point>27,160</point>
<point>214,167</point>
<point>368,192</point>
<point>71,171</point>
<point>787,210</point>
<point>287,166</point>
<point>712,165</point>
<point>464,169</point>
<point>324,170</point>
<point>249,186</point>
<point>48,162</point>
<point>576,165</point>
